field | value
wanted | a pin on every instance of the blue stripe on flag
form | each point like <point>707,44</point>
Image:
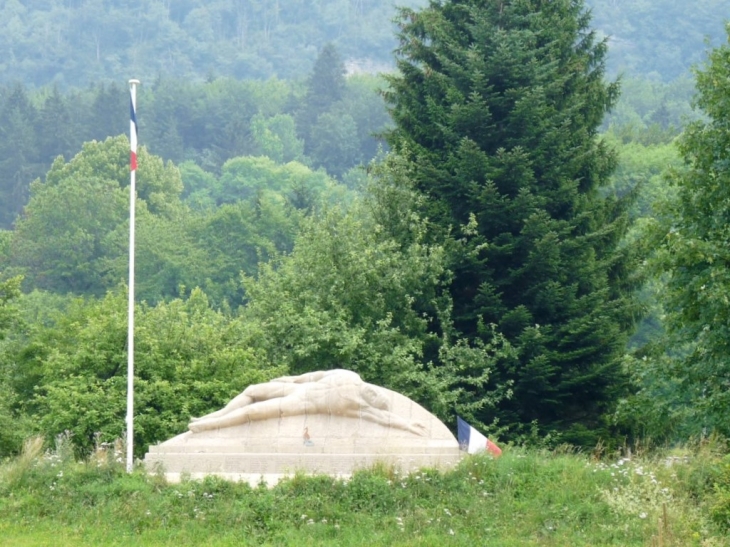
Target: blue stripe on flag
<point>132,114</point>
<point>463,433</point>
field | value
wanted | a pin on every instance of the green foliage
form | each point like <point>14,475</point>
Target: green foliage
<point>276,138</point>
<point>337,118</point>
<point>641,167</point>
<point>325,86</point>
<point>343,299</point>
<point>327,136</point>
<point>658,38</point>
<point>66,237</point>
<point>262,204</point>
<point>202,123</point>
<point>13,428</point>
<point>158,184</point>
<point>55,129</point>
<point>363,102</point>
<point>6,236</point>
<point>77,43</point>
<point>189,360</point>
<point>641,173</point>
<point>497,108</point>
<point>61,237</point>
<point>168,255</point>
<point>346,297</point>
<point>19,161</point>
<point>74,234</point>
<point>237,236</point>
<point>721,507</point>
<point>336,146</point>
<point>651,112</point>
<point>213,122</point>
<point>245,178</point>
<point>9,291</point>
<point>692,241</point>
<point>197,185</point>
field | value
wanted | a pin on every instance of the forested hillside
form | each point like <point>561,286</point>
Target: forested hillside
<point>659,38</point>
<point>76,42</point>
<point>326,122</point>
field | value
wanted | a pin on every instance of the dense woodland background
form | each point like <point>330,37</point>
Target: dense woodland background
<point>307,199</point>
<point>77,42</point>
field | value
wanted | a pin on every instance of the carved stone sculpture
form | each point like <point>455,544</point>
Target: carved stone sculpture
<point>321,422</point>
<point>334,392</point>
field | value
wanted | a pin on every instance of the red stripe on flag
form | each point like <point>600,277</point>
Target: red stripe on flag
<point>494,449</point>
<point>133,161</point>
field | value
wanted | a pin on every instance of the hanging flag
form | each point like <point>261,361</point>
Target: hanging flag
<point>132,133</point>
<point>130,321</point>
<point>471,441</point>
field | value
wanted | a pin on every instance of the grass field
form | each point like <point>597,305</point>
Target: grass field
<point>527,497</point>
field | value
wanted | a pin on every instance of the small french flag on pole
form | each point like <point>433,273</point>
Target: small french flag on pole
<point>132,132</point>
<point>471,441</point>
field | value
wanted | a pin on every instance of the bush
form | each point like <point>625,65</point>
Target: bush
<point>721,506</point>
<point>190,359</point>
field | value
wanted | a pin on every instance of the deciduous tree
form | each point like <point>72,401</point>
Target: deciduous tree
<point>190,360</point>
<point>693,256</point>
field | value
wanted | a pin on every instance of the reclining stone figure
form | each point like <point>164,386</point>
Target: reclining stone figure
<point>337,392</point>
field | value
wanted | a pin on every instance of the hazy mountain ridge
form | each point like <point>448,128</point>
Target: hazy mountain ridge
<point>74,42</point>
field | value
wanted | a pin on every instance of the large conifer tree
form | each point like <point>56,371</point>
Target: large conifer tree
<point>497,105</point>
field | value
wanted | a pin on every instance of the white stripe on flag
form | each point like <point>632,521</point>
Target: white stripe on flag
<point>477,441</point>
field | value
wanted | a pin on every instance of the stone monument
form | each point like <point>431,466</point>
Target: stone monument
<point>329,422</point>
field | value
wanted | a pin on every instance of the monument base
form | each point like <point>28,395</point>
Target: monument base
<point>311,443</point>
<point>271,467</point>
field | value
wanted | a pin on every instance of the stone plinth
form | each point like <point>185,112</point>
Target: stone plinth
<point>310,443</point>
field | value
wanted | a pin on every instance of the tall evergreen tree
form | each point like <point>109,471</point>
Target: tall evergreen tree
<point>55,129</point>
<point>325,86</point>
<point>497,105</point>
<point>19,163</point>
<point>108,114</point>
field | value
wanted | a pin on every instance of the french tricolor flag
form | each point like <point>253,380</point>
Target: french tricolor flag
<point>132,133</point>
<point>471,441</point>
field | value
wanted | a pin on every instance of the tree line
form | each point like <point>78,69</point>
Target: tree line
<point>76,42</point>
<point>327,122</point>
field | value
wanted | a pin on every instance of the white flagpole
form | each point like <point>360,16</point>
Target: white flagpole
<point>130,322</point>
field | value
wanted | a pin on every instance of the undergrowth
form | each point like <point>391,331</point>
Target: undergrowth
<point>527,497</point>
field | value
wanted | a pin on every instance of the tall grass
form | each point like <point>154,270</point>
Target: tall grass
<point>527,497</point>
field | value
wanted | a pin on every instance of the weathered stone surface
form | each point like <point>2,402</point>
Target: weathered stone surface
<point>401,433</point>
